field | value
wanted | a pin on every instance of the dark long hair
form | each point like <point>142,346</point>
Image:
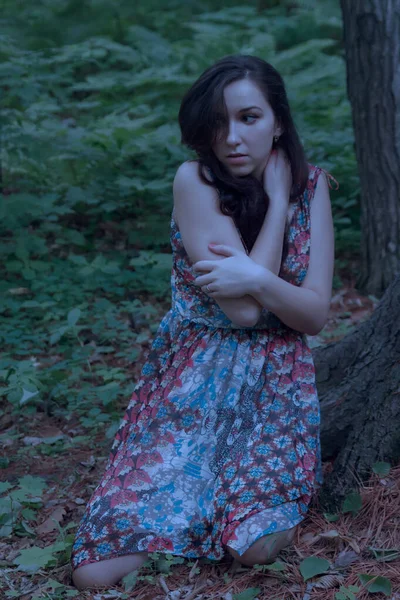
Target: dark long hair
<point>242,198</point>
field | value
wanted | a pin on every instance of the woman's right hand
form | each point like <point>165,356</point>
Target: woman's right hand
<point>277,178</point>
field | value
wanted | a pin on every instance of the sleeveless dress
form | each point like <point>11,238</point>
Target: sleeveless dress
<point>219,444</point>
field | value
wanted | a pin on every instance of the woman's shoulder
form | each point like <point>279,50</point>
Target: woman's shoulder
<point>314,172</point>
<point>187,168</point>
<point>189,187</point>
<point>193,167</point>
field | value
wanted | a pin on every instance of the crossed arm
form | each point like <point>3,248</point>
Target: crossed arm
<point>303,308</point>
<point>306,307</point>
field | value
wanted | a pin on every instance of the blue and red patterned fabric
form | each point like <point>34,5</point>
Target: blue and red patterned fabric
<point>219,444</point>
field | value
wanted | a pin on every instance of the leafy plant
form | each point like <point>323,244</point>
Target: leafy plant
<point>385,554</point>
<point>249,594</point>
<point>34,558</point>
<point>19,506</point>
<point>381,468</point>
<point>352,503</point>
<point>347,593</point>
<point>376,584</point>
<point>90,146</point>
<point>313,565</point>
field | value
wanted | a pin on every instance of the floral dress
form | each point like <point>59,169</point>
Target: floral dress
<point>219,444</point>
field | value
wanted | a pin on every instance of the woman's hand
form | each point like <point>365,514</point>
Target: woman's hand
<point>232,277</point>
<point>277,178</point>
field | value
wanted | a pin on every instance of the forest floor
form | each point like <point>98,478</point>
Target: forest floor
<point>364,540</point>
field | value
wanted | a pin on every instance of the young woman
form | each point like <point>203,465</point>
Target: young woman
<point>218,450</point>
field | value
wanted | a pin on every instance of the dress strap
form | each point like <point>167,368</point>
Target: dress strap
<point>329,177</point>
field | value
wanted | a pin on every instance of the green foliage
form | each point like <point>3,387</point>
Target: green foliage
<point>157,563</point>
<point>376,584</point>
<point>18,507</point>
<point>312,565</point>
<point>277,566</point>
<point>248,594</point>
<point>331,518</point>
<point>90,146</point>
<point>130,580</point>
<point>352,503</point>
<point>34,558</point>
<point>381,468</point>
<point>347,593</point>
<point>20,504</point>
<point>385,554</point>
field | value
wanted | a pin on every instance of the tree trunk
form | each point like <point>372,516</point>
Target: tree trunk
<point>358,382</point>
<point>372,41</point>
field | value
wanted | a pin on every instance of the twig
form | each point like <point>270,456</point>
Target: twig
<point>191,595</point>
<point>307,594</point>
<point>164,584</point>
<point>192,571</point>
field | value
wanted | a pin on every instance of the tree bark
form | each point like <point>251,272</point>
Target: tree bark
<point>372,41</point>
<point>358,381</point>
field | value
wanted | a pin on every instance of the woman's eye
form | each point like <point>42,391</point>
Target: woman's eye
<point>250,116</point>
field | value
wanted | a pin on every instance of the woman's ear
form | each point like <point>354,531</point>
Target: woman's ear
<point>278,130</point>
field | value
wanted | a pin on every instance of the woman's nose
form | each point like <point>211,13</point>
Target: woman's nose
<point>233,136</point>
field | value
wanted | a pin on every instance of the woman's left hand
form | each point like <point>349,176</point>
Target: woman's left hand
<point>232,277</point>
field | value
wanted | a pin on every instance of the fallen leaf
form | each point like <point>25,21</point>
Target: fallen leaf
<point>345,558</point>
<point>329,581</point>
<point>194,571</point>
<point>88,463</point>
<point>7,442</point>
<point>49,435</point>
<point>354,545</point>
<point>32,441</point>
<point>308,538</point>
<point>385,554</point>
<point>312,566</point>
<point>51,522</point>
<point>330,534</point>
<point>50,431</point>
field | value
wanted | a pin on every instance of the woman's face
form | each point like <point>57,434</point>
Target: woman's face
<point>250,131</point>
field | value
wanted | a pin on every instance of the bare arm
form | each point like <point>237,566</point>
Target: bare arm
<point>277,183</point>
<point>306,307</point>
<point>268,247</point>
<point>201,222</point>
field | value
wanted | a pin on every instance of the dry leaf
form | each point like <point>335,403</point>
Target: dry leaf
<point>32,441</point>
<point>51,523</point>
<point>330,534</point>
<point>354,545</point>
<point>193,573</point>
<point>107,596</point>
<point>88,463</point>
<point>309,538</point>
<point>329,581</point>
<point>50,431</point>
<point>7,442</point>
<point>48,435</point>
<point>163,584</point>
<point>345,558</point>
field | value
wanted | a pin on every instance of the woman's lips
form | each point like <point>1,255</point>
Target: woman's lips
<point>237,159</point>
